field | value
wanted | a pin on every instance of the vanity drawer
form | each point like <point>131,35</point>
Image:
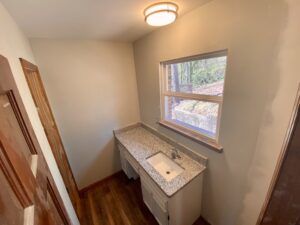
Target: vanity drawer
<point>121,147</point>
<point>126,165</point>
<point>155,200</point>
<point>160,215</point>
<point>132,161</point>
<point>149,199</point>
<point>159,197</point>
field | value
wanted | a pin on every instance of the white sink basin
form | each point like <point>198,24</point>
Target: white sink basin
<point>165,166</point>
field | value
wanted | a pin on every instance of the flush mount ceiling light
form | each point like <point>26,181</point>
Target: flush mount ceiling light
<point>161,13</point>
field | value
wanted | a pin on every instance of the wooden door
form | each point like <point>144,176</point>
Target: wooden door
<point>41,101</point>
<point>284,204</point>
<point>28,195</point>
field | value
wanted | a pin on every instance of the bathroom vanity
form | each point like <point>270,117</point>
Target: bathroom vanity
<point>171,186</point>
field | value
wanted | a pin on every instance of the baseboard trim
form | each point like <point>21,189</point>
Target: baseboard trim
<point>100,182</point>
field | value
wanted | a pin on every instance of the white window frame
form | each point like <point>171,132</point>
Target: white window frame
<point>164,92</point>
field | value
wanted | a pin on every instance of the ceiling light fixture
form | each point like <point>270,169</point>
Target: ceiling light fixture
<point>161,13</point>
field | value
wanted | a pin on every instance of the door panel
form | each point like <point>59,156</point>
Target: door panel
<point>17,172</point>
<point>24,174</point>
<point>44,110</point>
<point>11,209</point>
<point>9,122</point>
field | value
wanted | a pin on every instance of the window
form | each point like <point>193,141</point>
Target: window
<point>192,95</point>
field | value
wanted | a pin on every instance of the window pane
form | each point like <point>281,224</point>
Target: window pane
<point>196,115</point>
<point>203,76</point>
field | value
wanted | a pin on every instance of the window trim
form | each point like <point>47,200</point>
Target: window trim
<point>197,136</point>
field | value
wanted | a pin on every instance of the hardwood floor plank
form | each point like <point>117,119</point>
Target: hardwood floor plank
<point>93,211</point>
<point>120,206</point>
<point>128,202</point>
<point>102,205</point>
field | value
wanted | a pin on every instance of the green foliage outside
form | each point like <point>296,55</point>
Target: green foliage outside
<point>199,72</point>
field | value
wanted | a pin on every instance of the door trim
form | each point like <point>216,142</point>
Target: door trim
<point>53,194</point>
<point>284,148</point>
<point>28,65</point>
<point>57,146</point>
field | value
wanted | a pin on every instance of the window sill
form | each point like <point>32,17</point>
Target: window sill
<point>192,135</point>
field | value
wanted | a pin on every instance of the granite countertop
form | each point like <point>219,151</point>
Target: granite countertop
<point>142,144</point>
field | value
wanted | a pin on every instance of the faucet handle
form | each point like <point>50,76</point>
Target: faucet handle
<point>175,153</point>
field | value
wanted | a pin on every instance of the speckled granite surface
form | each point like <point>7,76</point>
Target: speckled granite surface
<point>142,144</point>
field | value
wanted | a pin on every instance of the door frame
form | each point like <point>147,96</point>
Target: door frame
<point>282,155</point>
<point>32,67</point>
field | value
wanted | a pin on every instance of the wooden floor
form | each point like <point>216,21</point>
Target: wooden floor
<point>117,201</point>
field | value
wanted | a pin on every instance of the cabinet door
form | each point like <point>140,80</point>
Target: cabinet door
<point>24,175</point>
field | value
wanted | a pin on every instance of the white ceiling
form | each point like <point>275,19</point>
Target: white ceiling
<point>118,20</point>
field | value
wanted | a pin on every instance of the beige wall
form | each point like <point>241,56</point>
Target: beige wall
<point>14,45</point>
<point>281,96</point>
<point>260,88</point>
<point>91,86</point>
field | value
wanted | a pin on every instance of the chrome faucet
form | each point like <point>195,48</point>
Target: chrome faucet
<point>175,153</point>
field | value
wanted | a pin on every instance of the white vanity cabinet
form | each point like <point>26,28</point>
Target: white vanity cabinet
<point>182,208</point>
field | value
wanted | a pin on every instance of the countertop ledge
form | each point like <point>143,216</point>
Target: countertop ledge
<point>142,142</point>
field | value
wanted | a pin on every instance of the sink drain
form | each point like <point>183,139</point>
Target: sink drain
<point>168,172</point>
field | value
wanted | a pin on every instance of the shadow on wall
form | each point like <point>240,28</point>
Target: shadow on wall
<point>241,210</point>
<point>253,36</point>
<point>280,100</point>
<point>96,167</point>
